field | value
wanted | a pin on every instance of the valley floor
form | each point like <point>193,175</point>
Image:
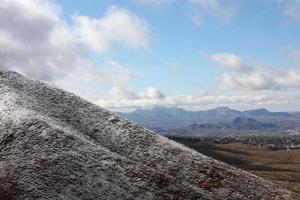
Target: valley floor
<point>280,167</point>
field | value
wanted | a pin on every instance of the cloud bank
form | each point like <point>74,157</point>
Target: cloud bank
<point>240,75</point>
<point>36,41</point>
<point>250,84</point>
<point>122,98</point>
<point>117,27</point>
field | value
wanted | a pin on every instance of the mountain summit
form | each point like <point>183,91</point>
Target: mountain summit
<point>55,145</point>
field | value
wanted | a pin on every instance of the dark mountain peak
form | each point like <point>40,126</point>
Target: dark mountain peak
<point>258,111</point>
<point>265,112</point>
<point>222,108</point>
<point>250,123</point>
<point>243,119</point>
<point>222,111</point>
<point>239,123</point>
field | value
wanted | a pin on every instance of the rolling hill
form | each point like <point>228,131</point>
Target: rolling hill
<point>55,145</point>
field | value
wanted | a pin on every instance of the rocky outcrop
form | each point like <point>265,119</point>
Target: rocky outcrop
<point>55,145</point>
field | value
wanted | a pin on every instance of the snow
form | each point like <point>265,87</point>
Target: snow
<point>55,145</point>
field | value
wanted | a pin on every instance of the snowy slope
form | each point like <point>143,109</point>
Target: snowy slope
<point>55,145</point>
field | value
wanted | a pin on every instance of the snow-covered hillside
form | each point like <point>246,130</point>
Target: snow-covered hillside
<point>55,145</point>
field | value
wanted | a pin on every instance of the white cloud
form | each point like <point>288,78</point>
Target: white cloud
<point>224,10</point>
<point>116,73</point>
<point>121,93</point>
<point>151,93</point>
<point>35,41</point>
<point>230,61</point>
<point>121,97</point>
<point>254,76</point>
<point>116,27</point>
<point>124,99</point>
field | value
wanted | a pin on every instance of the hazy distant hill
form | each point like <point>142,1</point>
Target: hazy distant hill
<point>173,117</point>
<point>264,112</point>
<point>238,126</point>
<point>241,123</point>
<point>251,124</point>
<point>219,121</point>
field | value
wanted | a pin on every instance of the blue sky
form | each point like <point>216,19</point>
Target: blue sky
<point>255,32</point>
<point>195,54</point>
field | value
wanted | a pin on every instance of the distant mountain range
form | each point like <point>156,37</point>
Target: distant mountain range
<point>219,121</point>
<point>172,116</point>
<point>240,123</point>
